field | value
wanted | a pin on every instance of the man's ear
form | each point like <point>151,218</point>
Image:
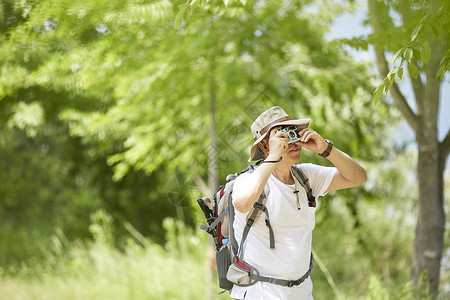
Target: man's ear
<point>263,147</point>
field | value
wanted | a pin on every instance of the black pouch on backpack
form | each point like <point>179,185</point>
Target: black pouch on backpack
<point>223,261</point>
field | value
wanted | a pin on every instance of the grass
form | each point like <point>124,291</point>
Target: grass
<point>98,270</point>
<point>181,269</point>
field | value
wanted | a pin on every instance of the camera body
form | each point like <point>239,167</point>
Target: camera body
<point>292,133</point>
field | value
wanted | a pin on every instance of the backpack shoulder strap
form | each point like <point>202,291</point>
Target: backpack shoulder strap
<point>252,216</point>
<point>304,181</point>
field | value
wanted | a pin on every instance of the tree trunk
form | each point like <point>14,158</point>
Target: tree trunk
<point>431,220</point>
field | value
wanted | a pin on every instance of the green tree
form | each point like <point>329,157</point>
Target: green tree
<point>51,177</point>
<point>421,43</point>
<point>139,99</point>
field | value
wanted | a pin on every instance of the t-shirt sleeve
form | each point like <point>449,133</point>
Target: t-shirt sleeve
<point>239,180</point>
<point>238,183</point>
<point>320,177</point>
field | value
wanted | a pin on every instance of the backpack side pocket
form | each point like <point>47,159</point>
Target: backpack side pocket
<point>223,261</point>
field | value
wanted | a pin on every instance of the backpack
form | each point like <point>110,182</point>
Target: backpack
<point>219,214</point>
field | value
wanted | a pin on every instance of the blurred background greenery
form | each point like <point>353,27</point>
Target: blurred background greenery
<point>117,115</point>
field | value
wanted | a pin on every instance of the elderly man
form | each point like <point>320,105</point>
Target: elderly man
<point>279,140</point>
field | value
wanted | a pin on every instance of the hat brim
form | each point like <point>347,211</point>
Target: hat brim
<point>257,154</point>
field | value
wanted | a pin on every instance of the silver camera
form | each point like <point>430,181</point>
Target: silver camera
<point>292,133</point>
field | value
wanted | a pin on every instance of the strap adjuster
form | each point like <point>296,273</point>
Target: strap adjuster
<point>258,205</point>
<point>294,282</point>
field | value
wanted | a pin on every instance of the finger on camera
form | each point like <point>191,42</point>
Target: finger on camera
<point>303,131</point>
<point>281,134</point>
<point>307,136</point>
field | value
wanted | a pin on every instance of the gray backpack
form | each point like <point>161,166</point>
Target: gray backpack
<point>219,214</point>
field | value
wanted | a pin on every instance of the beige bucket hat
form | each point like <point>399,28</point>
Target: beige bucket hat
<point>272,117</point>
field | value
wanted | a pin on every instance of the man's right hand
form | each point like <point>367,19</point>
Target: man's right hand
<point>278,143</point>
<point>247,193</point>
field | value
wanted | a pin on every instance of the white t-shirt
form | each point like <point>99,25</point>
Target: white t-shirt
<point>292,229</point>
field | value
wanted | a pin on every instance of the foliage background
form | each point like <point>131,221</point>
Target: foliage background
<point>105,111</point>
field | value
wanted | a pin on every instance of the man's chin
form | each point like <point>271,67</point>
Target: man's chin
<point>294,154</point>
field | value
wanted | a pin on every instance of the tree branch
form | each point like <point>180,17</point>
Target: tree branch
<point>399,99</point>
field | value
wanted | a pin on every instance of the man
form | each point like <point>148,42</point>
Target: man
<point>291,216</point>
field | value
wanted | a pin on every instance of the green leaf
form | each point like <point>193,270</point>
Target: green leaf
<point>408,54</point>
<point>400,73</point>
<point>388,86</point>
<point>442,70</point>
<point>425,18</point>
<point>425,54</point>
<point>397,54</point>
<point>413,70</point>
<point>379,91</point>
<point>416,32</point>
<point>416,53</point>
<point>179,17</point>
<point>427,31</point>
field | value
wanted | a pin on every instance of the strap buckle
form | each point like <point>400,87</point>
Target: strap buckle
<point>258,205</point>
<point>294,282</point>
<point>311,199</point>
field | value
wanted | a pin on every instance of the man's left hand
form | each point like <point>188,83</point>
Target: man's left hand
<point>312,141</point>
